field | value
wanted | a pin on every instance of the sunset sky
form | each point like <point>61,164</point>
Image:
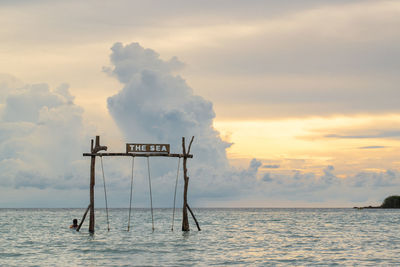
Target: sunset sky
<point>302,96</point>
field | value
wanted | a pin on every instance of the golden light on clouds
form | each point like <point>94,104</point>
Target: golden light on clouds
<point>316,142</point>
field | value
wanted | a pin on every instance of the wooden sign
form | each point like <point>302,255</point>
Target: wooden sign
<point>147,148</point>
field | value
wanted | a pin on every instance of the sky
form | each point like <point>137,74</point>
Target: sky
<point>292,103</point>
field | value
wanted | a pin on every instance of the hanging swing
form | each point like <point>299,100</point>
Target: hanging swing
<point>105,193</point>
<point>176,185</point>
<point>136,150</point>
<point>131,194</point>
<point>151,197</point>
<point>130,198</point>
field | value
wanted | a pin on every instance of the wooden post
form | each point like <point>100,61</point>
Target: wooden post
<point>95,149</point>
<point>194,218</point>
<point>92,182</point>
<point>83,219</point>
<point>185,220</point>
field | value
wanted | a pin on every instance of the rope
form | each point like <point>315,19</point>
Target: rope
<point>130,199</point>
<point>151,197</point>
<point>105,193</point>
<point>176,185</point>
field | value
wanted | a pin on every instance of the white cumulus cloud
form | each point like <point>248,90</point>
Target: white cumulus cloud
<point>42,138</point>
<point>157,106</point>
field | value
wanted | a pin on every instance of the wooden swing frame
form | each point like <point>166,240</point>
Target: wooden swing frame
<point>96,148</point>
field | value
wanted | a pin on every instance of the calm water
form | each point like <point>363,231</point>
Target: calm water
<point>257,237</point>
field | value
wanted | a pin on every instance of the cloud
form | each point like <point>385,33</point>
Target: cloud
<point>158,107</point>
<point>155,105</point>
<point>320,61</point>
<point>256,59</point>
<point>363,187</point>
<point>355,127</point>
<point>386,134</point>
<point>388,178</point>
<point>272,166</point>
<point>267,177</point>
<point>146,60</point>
<point>372,147</point>
<point>42,137</point>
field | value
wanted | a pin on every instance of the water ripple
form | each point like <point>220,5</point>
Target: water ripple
<point>257,237</point>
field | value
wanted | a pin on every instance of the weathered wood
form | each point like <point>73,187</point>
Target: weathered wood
<point>92,182</point>
<point>185,220</point>
<point>190,145</point>
<point>83,219</point>
<point>96,149</point>
<point>94,153</point>
<point>194,218</point>
<point>172,155</point>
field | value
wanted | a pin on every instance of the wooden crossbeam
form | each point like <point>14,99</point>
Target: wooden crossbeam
<point>137,155</point>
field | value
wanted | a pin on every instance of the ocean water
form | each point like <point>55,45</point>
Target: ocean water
<point>243,237</point>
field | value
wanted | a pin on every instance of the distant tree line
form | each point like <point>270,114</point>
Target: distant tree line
<point>392,202</point>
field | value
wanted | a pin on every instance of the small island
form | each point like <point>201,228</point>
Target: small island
<point>391,202</point>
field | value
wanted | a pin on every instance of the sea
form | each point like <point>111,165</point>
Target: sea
<point>242,237</point>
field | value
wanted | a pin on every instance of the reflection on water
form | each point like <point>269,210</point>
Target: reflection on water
<point>229,236</point>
